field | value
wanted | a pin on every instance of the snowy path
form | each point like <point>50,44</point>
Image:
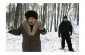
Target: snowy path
<point>50,43</point>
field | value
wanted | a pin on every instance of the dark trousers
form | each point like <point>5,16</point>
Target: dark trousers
<point>68,40</point>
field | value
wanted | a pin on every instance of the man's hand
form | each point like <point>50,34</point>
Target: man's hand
<point>70,33</point>
<point>41,27</point>
<point>10,29</point>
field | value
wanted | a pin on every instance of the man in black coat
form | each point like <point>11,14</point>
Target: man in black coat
<point>65,30</point>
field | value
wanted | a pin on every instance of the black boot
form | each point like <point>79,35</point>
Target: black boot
<point>71,50</point>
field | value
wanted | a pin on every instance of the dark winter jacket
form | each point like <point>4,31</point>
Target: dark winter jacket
<point>31,39</point>
<point>65,28</point>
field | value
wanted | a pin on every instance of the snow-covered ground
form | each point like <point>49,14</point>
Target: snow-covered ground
<point>49,43</point>
<point>52,43</point>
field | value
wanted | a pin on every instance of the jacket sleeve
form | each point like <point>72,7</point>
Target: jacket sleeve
<point>70,27</point>
<point>16,31</point>
<point>43,31</point>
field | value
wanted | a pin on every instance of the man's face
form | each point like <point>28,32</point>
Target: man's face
<point>31,20</point>
<point>65,19</point>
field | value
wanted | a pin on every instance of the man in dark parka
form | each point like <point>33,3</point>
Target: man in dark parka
<point>65,30</point>
<point>30,30</point>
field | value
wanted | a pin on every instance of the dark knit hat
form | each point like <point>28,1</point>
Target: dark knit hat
<point>31,13</point>
<point>64,17</point>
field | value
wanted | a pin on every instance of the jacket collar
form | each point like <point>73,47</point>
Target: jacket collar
<point>28,29</point>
